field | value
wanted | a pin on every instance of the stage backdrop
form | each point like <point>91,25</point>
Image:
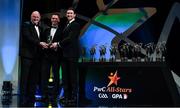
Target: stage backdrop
<point>9,42</point>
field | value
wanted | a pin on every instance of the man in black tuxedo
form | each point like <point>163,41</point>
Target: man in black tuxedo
<point>30,52</point>
<point>70,54</point>
<point>51,57</point>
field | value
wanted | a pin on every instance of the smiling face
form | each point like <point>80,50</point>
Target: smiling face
<point>70,15</point>
<point>55,20</point>
<point>35,17</point>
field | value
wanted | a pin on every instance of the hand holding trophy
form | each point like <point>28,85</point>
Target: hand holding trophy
<point>49,40</point>
<point>50,44</point>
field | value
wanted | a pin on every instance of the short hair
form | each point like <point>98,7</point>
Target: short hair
<point>56,13</point>
<point>71,8</point>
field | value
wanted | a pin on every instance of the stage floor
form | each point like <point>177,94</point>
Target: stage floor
<point>13,102</point>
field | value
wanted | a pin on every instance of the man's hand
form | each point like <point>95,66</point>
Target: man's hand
<point>44,45</point>
<point>54,45</point>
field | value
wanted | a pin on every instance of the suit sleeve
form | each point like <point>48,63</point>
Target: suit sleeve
<point>27,35</point>
<point>44,35</point>
<point>72,35</point>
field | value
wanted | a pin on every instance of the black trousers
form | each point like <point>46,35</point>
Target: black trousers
<point>70,77</point>
<point>29,76</point>
<point>47,64</point>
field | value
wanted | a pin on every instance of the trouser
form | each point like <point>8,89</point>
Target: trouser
<point>30,69</point>
<point>48,66</point>
<point>70,77</point>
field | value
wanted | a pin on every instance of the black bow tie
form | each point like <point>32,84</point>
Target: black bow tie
<point>54,27</point>
<point>36,25</point>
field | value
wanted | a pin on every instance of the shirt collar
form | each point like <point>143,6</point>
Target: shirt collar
<point>71,20</point>
<point>54,26</point>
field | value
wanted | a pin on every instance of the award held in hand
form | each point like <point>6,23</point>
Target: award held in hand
<point>49,40</point>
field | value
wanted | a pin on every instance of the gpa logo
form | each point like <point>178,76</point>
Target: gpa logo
<point>113,89</point>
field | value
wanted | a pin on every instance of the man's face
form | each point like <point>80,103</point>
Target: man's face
<point>70,14</point>
<point>35,17</point>
<point>55,20</point>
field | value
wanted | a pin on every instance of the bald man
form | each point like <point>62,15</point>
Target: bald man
<point>30,53</point>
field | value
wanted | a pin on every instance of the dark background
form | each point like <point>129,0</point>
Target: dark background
<point>147,81</point>
<point>89,8</point>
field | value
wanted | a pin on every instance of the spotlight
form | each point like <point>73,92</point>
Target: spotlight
<point>7,88</point>
<point>6,97</point>
<point>50,80</point>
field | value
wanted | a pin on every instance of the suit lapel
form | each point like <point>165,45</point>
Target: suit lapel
<point>66,27</point>
<point>34,31</point>
<point>55,35</point>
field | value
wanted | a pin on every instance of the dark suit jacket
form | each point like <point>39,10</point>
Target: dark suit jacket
<point>50,53</point>
<point>29,41</point>
<point>70,40</point>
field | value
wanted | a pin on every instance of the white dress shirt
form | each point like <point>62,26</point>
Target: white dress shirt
<point>52,32</point>
<point>37,30</point>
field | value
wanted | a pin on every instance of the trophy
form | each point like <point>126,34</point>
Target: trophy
<point>138,51</point>
<point>113,51</point>
<point>127,51</point>
<point>49,40</point>
<point>92,53</point>
<point>149,51</point>
<point>163,50</point>
<point>124,51</point>
<point>158,52</point>
<point>102,51</point>
<point>133,54</point>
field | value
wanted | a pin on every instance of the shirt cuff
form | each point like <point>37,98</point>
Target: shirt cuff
<point>58,44</point>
